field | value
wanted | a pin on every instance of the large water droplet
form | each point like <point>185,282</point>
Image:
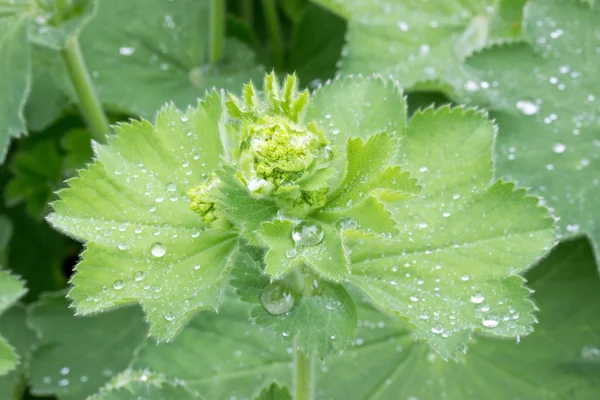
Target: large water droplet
<point>307,233</point>
<point>118,284</point>
<point>527,107</point>
<point>277,299</point>
<point>158,250</point>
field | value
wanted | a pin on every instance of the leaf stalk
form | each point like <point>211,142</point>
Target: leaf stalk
<point>216,31</point>
<point>274,31</point>
<point>84,90</point>
<point>304,375</point>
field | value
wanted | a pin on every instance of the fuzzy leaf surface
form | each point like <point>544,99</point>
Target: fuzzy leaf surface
<point>453,266</point>
<point>547,102</point>
<point>165,63</point>
<point>77,355</point>
<point>220,356</point>
<point>560,360</point>
<point>133,385</point>
<point>322,324</point>
<point>415,41</point>
<point>19,335</point>
<point>144,244</point>
<point>11,290</point>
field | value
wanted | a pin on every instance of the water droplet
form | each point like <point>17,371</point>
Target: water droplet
<point>64,370</point>
<point>490,321</point>
<point>590,352</point>
<point>158,250</point>
<point>465,277</point>
<point>118,284</point>
<point>196,267</point>
<point>332,304</point>
<point>291,253</point>
<point>437,329</point>
<point>403,26</point>
<point>346,223</point>
<point>63,382</point>
<point>126,51</point>
<point>307,233</point>
<point>477,298</point>
<point>527,107</point>
<point>139,276</point>
<point>171,187</point>
<point>277,299</point>
<point>559,148</point>
<point>169,316</point>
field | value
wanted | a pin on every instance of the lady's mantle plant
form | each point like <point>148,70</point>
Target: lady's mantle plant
<point>293,199</point>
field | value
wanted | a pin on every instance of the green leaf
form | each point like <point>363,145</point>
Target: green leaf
<point>317,40</point>
<point>144,244</point>
<point>220,356</point>
<point>125,56</point>
<point>322,319</point>
<point>546,102</point>
<point>560,360</point>
<point>412,41</point>
<point>12,289</point>
<point>14,329</point>
<point>327,257</point>
<point>133,385</point>
<point>452,267</point>
<point>78,355</point>
<point>77,144</point>
<point>369,178</point>
<point>356,108</point>
<point>274,392</point>
<point>51,249</point>
<point>14,78</point>
<point>37,171</point>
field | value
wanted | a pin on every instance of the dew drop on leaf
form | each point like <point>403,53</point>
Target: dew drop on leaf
<point>307,233</point>
<point>118,284</point>
<point>527,107</point>
<point>158,250</point>
<point>559,148</point>
<point>291,253</point>
<point>590,352</point>
<point>346,223</point>
<point>169,316</point>
<point>490,321</point>
<point>139,276</point>
<point>477,298</point>
<point>171,187</point>
<point>276,298</point>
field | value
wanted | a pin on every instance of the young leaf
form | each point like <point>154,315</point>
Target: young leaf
<point>547,106</point>
<point>451,267</point>
<point>131,385</point>
<point>559,360</point>
<point>413,41</point>
<point>19,335</point>
<point>220,356</point>
<point>125,56</point>
<point>77,355</point>
<point>11,290</point>
<point>144,243</point>
<point>274,392</point>
<point>321,323</point>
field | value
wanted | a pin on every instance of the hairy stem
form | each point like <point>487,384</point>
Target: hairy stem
<point>86,96</point>
<point>304,375</point>
<point>274,30</point>
<point>217,31</point>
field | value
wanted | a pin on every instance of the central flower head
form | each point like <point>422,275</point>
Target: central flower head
<point>278,155</point>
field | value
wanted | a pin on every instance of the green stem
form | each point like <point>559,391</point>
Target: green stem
<point>217,31</point>
<point>304,375</point>
<point>274,30</point>
<point>86,97</point>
